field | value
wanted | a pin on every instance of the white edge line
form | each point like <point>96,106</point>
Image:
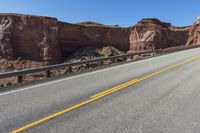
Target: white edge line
<point>64,79</point>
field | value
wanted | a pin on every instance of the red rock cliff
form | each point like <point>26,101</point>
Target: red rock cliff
<point>194,35</point>
<point>44,39</point>
<point>151,34</point>
<point>29,37</point>
<point>73,37</point>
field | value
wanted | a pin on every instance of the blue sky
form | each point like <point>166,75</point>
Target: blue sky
<point>122,12</point>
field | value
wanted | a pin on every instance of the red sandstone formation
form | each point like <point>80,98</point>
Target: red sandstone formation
<point>29,37</point>
<point>151,34</point>
<point>194,35</point>
<point>73,37</point>
<point>25,38</point>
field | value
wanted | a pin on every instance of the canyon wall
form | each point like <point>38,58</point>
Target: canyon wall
<point>194,34</point>
<point>29,37</point>
<point>73,37</point>
<point>45,40</point>
<point>151,34</point>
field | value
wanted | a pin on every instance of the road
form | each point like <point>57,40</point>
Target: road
<point>156,95</point>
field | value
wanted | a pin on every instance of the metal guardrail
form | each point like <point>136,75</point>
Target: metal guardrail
<point>19,74</point>
<point>48,69</point>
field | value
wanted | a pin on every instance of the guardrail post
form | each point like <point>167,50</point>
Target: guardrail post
<point>48,73</point>
<point>19,79</point>
<point>87,66</point>
<point>70,69</point>
<point>101,62</point>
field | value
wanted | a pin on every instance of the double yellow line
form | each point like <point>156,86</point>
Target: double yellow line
<point>114,89</point>
<point>132,82</point>
<point>102,94</point>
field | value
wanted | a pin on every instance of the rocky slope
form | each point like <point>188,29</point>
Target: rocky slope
<point>194,34</point>
<point>151,34</point>
<point>43,40</point>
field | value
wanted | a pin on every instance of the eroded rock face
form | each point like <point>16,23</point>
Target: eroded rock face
<point>73,37</point>
<point>29,37</point>
<point>46,40</point>
<point>151,34</point>
<point>5,38</point>
<point>194,35</point>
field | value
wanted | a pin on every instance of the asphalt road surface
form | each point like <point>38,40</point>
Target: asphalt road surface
<point>156,95</point>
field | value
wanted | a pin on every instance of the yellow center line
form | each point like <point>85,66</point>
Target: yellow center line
<point>112,91</point>
<point>117,87</point>
<point>100,95</point>
<point>124,85</point>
